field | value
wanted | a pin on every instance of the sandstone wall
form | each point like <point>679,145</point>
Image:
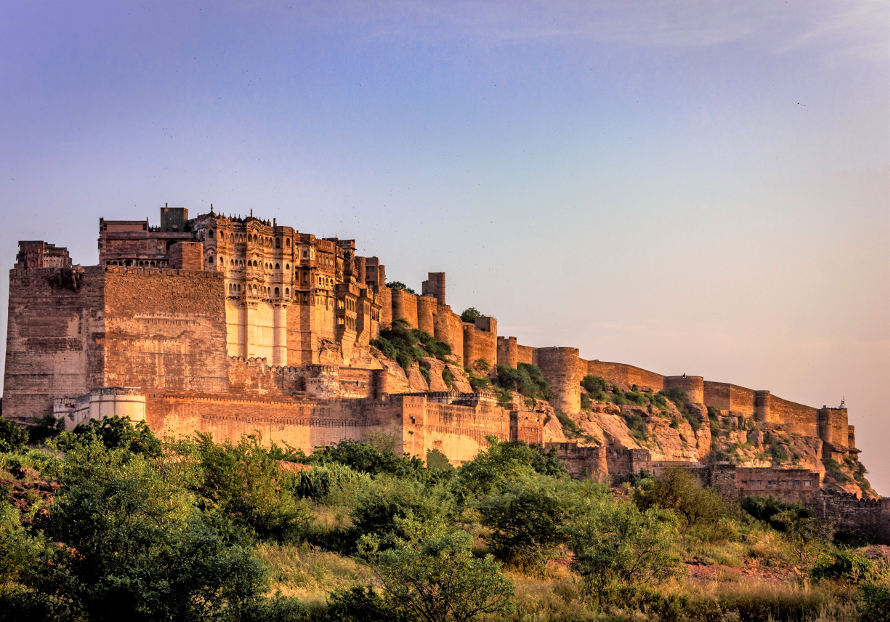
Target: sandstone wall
<point>561,368</point>
<point>729,397</point>
<point>165,329</point>
<point>833,426</point>
<point>625,375</point>
<point>426,313</point>
<point>796,418</point>
<point>693,385</point>
<point>479,344</point>
<point>404,306</point>
<point>789,485</point>
<point>507,352</point>
<point>525,354</point>
<point>54,337</point>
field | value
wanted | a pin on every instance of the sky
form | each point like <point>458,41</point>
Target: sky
<point>690,187</point>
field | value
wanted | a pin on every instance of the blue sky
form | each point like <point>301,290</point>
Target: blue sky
<point>698,187</point>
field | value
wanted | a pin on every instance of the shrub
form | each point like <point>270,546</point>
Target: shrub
<point>571,429</point>
<point>637,427</point>
<point>400,285</point>
<point>12,437</point>
<point>437,461</point>
<point>45,427</point>
<point>594,384</point>
<point>447,377</point>
<point>331,483</point>
<point>366,458</point>
<point>874,601</point>
<point>528,519</point>
<point>470,315</point>
<point>244,483</point>
<point>121,433</point>
<point>679,491</point>
<point>617,547</point>
<point>379,508</point>
<point>585,401</point>
<point>405,345</point>
<point>134,547</point>
<point>429,575</point>
<point>502,462</point>
<point>844,566</point>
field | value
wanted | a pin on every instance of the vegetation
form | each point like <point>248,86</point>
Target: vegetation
<point>470,315</point>
<point>525,379</point>
<point>129,526</point>
<point>406,345</point>
<point>400,285</point>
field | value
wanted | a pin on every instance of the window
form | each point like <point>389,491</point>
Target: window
<point>277,242</point>
<point>210,234</point>
<point>287,242</point>
<point>277,267</point>
<point>276,292</point>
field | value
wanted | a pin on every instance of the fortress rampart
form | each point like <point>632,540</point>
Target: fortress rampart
<point>230,324</point>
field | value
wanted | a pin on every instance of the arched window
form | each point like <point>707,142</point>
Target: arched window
<point>210,234</point>
<point>286,291</point>
<point>277,242</point>
<point>287,242</point>
<point>210,259</point>
<point>276,292</point>
<point>287,266</point>
<point>277,267</point>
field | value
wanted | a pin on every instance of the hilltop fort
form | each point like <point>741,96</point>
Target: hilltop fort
<point>231,325</point>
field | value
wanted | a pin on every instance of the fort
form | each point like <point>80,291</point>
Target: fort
<point>233,325</point>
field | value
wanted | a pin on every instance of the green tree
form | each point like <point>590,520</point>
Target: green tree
<point>245,484</point>
<point>12,437</point>
<point>380,508</point>
<point>121,433</point>
<point>470,315</point>
<point>617,548</point>
<point>528,519</point>
<point>431,575</point>
<point>133,546</point>
<point>678,490</point>
<point>501,462</point>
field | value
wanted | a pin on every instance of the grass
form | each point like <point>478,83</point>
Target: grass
<point>309,574</point>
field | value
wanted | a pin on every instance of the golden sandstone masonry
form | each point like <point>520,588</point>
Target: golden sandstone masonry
<point>231,325</point>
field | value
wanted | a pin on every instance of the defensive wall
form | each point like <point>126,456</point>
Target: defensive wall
<point>455,424</point>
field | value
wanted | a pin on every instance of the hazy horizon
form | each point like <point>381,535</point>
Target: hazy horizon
<point>698,188</point>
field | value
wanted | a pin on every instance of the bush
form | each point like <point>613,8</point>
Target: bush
<point>366,458</point>
<point>380,507</point>
<point>12,437</point>
<point>245,484</point>
<point>874,601</point>
<point>528,519</point>
<point>120,433</point>
<point>777,514</point>
<point>679,491</point>
<point>844,566</point>
<point>470,315</point>
<point>400,285</point>
<point>405,345</point>
<point>46,427</point>
<point>429,575</point>
<point>502,462</point>
<point>617,547</point>
<point>134,547</point>
<point>594,384</point>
